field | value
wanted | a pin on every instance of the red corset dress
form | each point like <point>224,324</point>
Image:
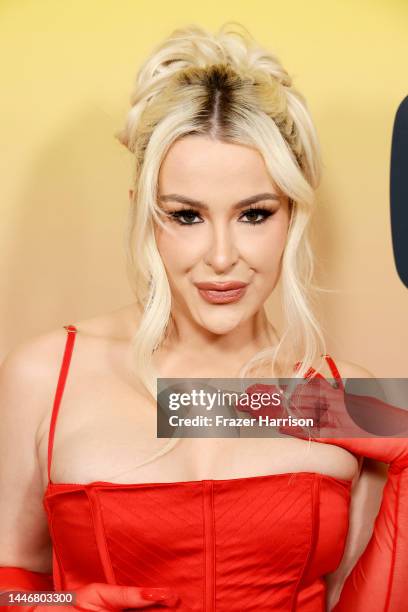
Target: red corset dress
<point>261,543</point>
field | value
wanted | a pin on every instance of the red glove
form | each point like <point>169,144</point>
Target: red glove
<point>95,597</point>
<point>378,581</point>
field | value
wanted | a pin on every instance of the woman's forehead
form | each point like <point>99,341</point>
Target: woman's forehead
<point>197,163</point>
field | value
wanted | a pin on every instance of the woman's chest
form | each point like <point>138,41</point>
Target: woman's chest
<point>106,427</point>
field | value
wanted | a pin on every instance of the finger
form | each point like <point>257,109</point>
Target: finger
<point>264,389</point>
<point>316,391</point>
<point>136,597</point>
<point>263,399</point>
<point>115,597</point>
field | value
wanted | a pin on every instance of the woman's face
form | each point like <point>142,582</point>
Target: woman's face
<point>226,221</point>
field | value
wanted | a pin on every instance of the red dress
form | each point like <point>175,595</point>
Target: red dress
<point>261,543</point>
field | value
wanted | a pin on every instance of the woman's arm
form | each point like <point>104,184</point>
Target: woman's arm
<point>365,503</point>
<point>28,378</point>
<point>24,534</point>
<point>377,582</point>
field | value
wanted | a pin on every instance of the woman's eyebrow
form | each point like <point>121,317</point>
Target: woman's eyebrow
<point>175,197</point>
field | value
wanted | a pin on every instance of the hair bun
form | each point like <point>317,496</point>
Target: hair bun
<point>194,47</point>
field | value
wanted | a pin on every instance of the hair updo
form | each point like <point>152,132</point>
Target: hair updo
<point>221,75</point>
<point>225,86</point>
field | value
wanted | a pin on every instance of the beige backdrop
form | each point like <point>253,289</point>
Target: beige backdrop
<point>68,69</point>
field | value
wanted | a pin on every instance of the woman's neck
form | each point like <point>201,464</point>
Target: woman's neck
<point>189,343</point>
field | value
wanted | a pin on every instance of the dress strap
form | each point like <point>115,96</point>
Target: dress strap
<point>335,371</point>
<point>333,368</point>
<point>69,345</point>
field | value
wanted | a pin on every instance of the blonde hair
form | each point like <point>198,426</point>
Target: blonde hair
<point>225,86</point>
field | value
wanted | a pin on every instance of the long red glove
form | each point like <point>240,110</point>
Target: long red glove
<point>95,596</point>
<point>378,581</point>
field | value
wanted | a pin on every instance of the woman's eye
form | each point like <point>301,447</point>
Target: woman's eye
<point>255,213</point>
<point>178,215</point>
<point>254,216</point>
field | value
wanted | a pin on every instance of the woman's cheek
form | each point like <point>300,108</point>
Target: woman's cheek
<point>263,252</point>
<point>178,253</point>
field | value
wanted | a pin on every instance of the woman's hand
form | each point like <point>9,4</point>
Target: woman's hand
<point>335,413</point>
<point>346,420</point>
<point>92,597</point>
<point>96,596</point>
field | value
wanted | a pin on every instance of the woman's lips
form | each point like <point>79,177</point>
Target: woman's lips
<point>221,292</point>
<point>220,285</point>
<point>222,296</point>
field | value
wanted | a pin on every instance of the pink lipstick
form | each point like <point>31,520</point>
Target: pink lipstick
<point>221,292</point>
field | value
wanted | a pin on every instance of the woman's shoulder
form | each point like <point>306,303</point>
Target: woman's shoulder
<point>34,353</point>
<point>29,361</point>
<point>34,363</point>
<point>27,381</point>
<point>349,369</point>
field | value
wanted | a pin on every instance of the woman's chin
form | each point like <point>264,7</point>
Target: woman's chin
<point>220,323</point>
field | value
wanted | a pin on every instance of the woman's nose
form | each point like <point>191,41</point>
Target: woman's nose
<point>222,251</point>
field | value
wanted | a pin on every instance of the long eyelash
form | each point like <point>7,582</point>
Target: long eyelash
<point>259,209</point>
<point>176,215</point>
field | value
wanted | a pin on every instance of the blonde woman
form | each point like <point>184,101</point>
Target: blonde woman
<point>226,164</point>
